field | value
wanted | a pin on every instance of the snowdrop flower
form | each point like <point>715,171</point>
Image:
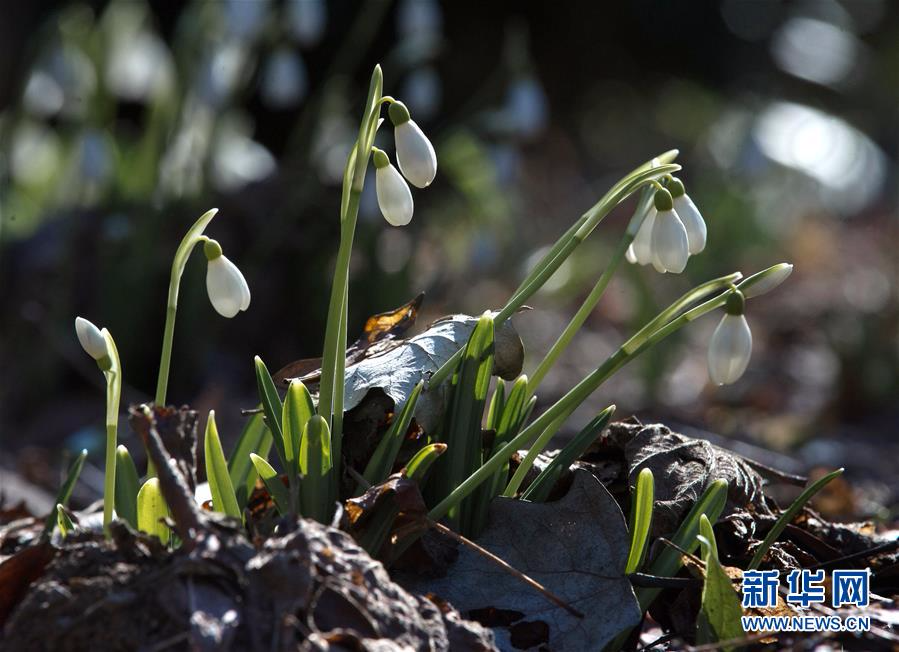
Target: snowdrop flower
<point>670,248</point>
<point>414,152</point>
<point>643,241</point>
<point>394,196</point>
<point>766,280</point>
<point>92,339</point>
<point>227,288</point>
<point>688,213</point>
<point>731,343</point>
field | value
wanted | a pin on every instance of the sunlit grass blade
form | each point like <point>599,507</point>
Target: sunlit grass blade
<point>463,432</point>
<point>497,403</point>
<point>271,407</point>
<point>418,467</point>
<point>315,458</point>
<point>272,481</point>
<point>720,613</point>
<point>384,457</point>
<point>223,498</point>
<point>63,521</point>
<point>541,487</point>
<point>669,561</point>
<point>641,520</point>
<point>298,409</point>
<point>788,515</point>
<point>65,491</point>
<point>255,438</point>
<point>127,484</point>
<point>151,510</point>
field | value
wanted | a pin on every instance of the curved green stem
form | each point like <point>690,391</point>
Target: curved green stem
<point>645,338</point>
<point>569,241</point>
<point>191,238</point>
<point>113,396</point>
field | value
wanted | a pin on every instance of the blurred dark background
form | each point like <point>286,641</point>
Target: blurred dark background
<point>123,121</point>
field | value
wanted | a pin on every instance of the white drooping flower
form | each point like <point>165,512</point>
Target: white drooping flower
<point>91,339</point>
<point>670,248</point>
<point>690,216</point>
<point>643,241</point>
<point>227,288</point>
<point>394,196</point>
<point>414,152</point>
<point>731,345</point>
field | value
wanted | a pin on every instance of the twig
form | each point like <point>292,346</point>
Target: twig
<point>173,485</point>
<point>864,554</point>
<point>657,582</point>
<point>534,584</point>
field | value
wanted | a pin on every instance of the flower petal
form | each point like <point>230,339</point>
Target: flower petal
<point>630,255</point>
<point>91,339</point>
<point>415,154</point>
<point>227,288</point>
<point>693,223</point>
<point>643,239</point>
<point>394,196</point>
<point>729,350</point>
<point>669,242</point>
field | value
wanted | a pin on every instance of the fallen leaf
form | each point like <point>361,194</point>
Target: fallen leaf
<point>18,571</point>
<point>682,468</point>
<point>575,547</point>
<point>384,326</point>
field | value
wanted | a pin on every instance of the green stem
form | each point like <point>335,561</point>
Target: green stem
<point>113,397</point>
<point>191,238</point>
<point>576,395</point>
<point>167,337</point>
<point>563,248</point>
<point>580,316</point>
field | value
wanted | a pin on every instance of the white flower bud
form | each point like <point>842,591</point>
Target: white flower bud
<point>693,223</point>
<point>227,288</point>
<point>729,349</point>
<point>670,248</point>
<point>91,339</point>
<point>766,280</point>
<point>394,196</point>
<point>414,152</point>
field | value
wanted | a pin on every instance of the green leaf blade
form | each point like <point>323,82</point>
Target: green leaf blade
<point>641,520</point>
<point>223,497</point>
<point>127,484</point>
<point>151,510</point>
<point>315,457</point>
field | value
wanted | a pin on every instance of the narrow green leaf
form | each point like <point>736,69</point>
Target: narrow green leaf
<point>787,516</point>
<point>65,491</point>
<point>255,438</point>
<point>719,617</point>
<point>384,457</point>
<point>641,520</point>
<point>272,482</point>
<point>271,407</point>
<point>315,457</point>
<point>151,509</point>
<point>463,431</point>
<point>63,521</point>
<point>541,487</point>
<point>298,409</point>
<point>669,561</point>
<point>497,402</point>
<point>127,484</point>
<point>418,467</point>
<point>223,498</point>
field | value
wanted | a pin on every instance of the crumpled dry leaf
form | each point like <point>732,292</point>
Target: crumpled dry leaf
<point>381,359</point>
<point>575,547</point>
<point>383,327</point>
<point>683,467</point>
